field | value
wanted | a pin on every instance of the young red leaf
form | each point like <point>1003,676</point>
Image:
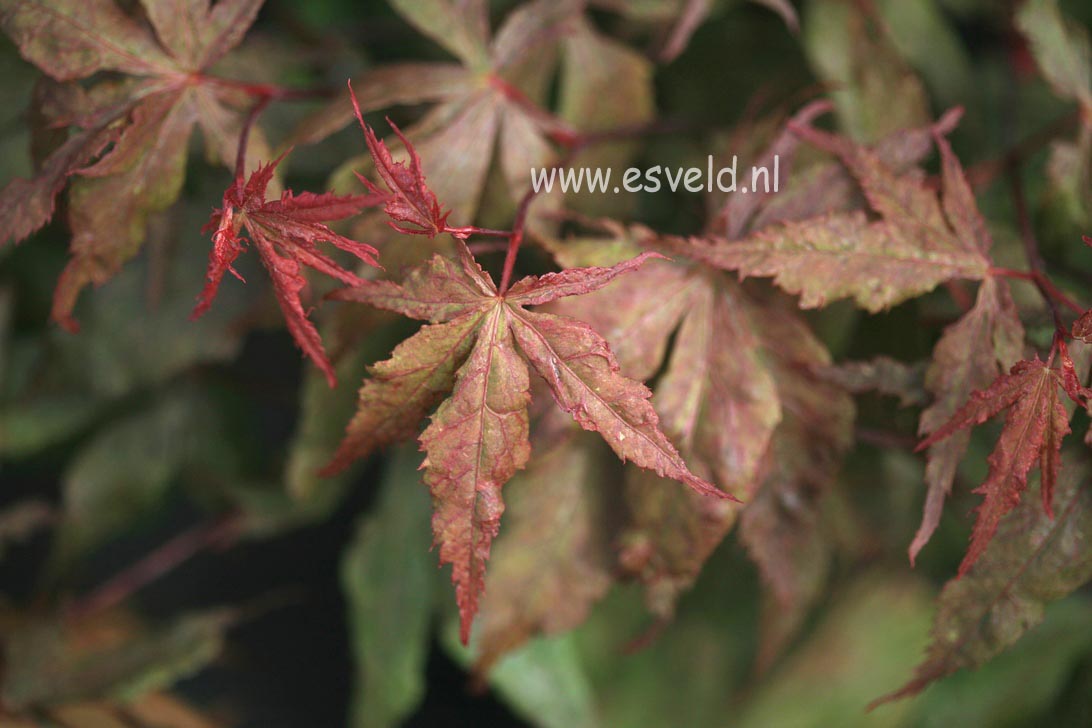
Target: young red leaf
<point>410,200</point>
<point>149,117</point>
<point>971,354</point>
<point>1035,425</point>
<point>478,437</point>
<point>286,231</point>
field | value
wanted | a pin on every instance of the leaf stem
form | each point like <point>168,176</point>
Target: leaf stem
<point>1047,289</point>
<point>272,91</point>
<point>466,231</point>
<point>983,173</point>
<point>1042,282</point>
<point>244,137</point>
<point>515,239</point>
<point>158,563</point>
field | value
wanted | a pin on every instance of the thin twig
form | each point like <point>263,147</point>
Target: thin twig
<point>156,564</point>
<point>983,173</point>
<point>1031,247</point>
<point>1044,282</point>
<point>272,91</point>
<point>244,137</point>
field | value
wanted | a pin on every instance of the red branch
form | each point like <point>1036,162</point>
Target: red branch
<point>158,563</point>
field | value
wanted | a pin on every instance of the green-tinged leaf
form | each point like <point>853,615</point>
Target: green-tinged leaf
<point>919,242</point>
<point>605,85</point>
<point>402,390</point>
<point>26,428</point>
<point>1021,685</point>
<point>387,577</point>
<point>1070,172</point>
<point>927,37</point>
<point>50,662</point>
<point>460,26</point>
<point>1060,46</point>
<point>552,561</point>
<point>149,118</point>
<point>679,673</point>
<point>871,633</point>
<point>135,337</point>
<point>109,214</point>
<point>126,469</point>
<point>71,39</point>
<point>487,109</point>
<point>544,682</point>
<point>1032,560</point>
<point>379,88</point>
<point>874,90</point>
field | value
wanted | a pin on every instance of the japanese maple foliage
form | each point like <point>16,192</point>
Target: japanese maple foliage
<point>126,150</point>
<point>286,231</point>
<point>477,347</point>
<point>1035,426</point>
<point>626,409</point>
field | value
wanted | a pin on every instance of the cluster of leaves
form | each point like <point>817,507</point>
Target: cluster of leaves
<point>719,397</point>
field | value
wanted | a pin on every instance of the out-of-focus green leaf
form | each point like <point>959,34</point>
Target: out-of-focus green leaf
<point>544,682</point>
<point>605,85</point>
<point>126,469</point>
<point>1064,53</point>
<point>875,92</point>
<point>1019,685</point>
<point>923,35</point>
<point>553,559</point>
<point>50,661</point>
<point>28,427</point>
<point>135,334</point>
<point>871,635</point>
<point>1061,47</point>
<point>460,26</point>
<point>387,576</point>
<point>1032,560</point>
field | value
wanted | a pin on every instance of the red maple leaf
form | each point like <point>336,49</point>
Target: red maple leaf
<point>475,360</point>
<point>410,200</point>
<point>286,232</point>
<point>1035,425</point>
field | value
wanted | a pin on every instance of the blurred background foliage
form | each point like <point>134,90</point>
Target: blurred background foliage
<point>294,600</point>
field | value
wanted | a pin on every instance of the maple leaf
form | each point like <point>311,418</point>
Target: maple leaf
<point>919,241</point>
<point>142,122</point>
<point>286,232</point>
<point>410,200</point>
<point>971,353</point>
<point>489,108</point>
<point>553,560</point>
<point>478,348</point>
<point>732,360</point>
<point>1035,425</point>
<point>482,102</point>
<point>1034,560</point>
<point>985,342</point>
